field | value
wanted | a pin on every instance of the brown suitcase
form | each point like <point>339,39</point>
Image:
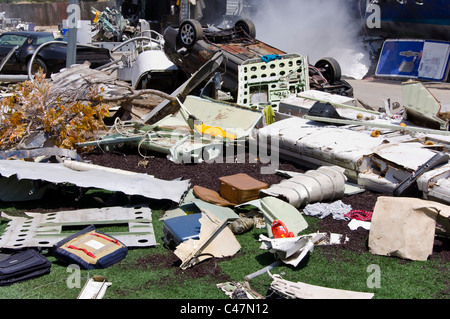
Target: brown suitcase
<point>240,188</point>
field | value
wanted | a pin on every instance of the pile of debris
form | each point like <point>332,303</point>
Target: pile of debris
<point>11,24</point>
<point>110,25</point>
<point>348,148</point>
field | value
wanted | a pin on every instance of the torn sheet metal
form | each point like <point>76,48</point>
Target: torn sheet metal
<point>47,229</point>
<point>405,227</point>
<point>377,162</point>
<point>216,240</point>
<point>139,184</point>
<point>233,118</point>
<point>409,187</point>
<point>435,184</point>
<point>292,250</point>
<point>303,141</point>
<point>394,163</point>
<point>299,290</point>
<point>422,107</point>
<point>182,142</point>
<point>177,142</point>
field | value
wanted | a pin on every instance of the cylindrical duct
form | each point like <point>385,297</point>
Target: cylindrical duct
<point>327,183</point>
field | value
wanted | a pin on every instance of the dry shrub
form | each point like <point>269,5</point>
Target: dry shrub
<point>32,108</point>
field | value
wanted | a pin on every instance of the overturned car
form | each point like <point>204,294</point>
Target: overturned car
<point>253,73</point>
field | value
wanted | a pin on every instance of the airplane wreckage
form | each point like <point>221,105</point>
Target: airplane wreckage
<point>280,109</point>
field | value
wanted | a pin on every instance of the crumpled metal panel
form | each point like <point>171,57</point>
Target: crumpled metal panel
<point>237,120</point>
<point>139,184</point>
<point>173,135</point>
<point>377,163</point>
<point>421,106</point>
<point>45,230</point>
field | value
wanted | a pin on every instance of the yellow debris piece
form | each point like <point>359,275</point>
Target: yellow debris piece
<point>375,133</point>
<point>97,14</point>
<point>214,131</point>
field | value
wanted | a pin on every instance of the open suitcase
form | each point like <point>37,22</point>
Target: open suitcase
<point>23,265</point>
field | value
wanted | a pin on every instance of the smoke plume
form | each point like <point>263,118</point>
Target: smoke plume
<point>316,28</point>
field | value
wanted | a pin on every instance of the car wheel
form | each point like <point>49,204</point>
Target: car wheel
<point>190,32</point>
<point>329,68</point>
<point>39,64</point>
<point>248,26</point>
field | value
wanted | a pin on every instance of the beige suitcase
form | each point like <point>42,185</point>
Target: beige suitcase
<point>240,188</point>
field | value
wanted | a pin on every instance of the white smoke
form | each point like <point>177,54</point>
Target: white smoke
<point>316,28</point>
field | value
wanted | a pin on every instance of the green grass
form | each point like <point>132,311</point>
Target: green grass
<point>334,268</point>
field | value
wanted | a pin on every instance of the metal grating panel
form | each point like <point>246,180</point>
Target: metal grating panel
<point>45,230</point>
<point>267,83</point>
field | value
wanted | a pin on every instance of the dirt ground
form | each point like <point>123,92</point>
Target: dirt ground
<point>207,175</point>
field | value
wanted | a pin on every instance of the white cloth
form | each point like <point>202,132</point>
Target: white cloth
<point>337,209</point>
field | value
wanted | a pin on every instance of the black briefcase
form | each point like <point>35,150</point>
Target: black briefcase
<point>22,265</point>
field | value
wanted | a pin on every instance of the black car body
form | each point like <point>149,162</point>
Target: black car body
<point>190,45</point>
<point>51,58</point>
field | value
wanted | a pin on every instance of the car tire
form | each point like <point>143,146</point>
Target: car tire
<point>39,63</point>
<point>248,26</point>
<point>330,69</point>
<point>189,33</point>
